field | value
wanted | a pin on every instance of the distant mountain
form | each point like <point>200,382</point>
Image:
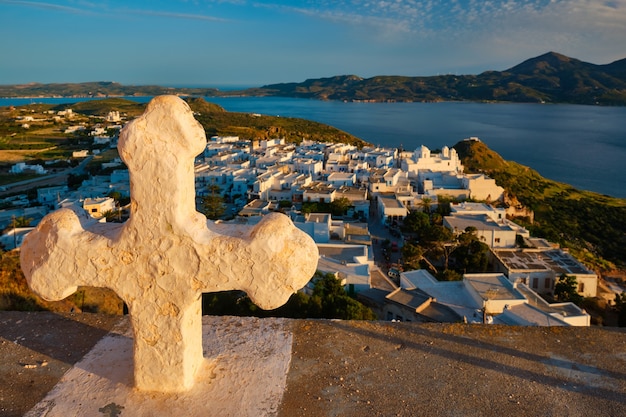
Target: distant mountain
<point>550,78</point>
<point>97,89</point>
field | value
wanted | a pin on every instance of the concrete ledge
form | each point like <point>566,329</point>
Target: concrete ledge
<point>336,368</point>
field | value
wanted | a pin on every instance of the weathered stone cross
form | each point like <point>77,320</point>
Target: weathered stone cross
<point>166,255</point>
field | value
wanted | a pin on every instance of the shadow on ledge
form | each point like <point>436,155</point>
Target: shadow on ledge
<point>349,368</point>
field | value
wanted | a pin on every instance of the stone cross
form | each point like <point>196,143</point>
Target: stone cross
<point>166,255</point>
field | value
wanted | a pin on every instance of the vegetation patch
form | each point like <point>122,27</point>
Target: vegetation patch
<point>591,225</point>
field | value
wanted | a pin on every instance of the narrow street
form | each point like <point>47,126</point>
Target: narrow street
<point>379,234</point>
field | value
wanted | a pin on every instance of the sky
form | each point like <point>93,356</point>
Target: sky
<point>221,43</point>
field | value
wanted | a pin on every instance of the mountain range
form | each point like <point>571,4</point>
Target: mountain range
<point>549,78</point>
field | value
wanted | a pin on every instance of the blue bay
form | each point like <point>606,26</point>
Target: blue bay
<point>584,146</point>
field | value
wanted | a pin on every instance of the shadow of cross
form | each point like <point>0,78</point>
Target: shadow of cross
<point>166,255</point>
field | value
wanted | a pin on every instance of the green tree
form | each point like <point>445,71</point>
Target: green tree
<point>566,289</point>
<point>340,206</point>
<point>449,275</point>
<point>113,216</point>
<point>213,206</point>
<point>416,222</point>
<point>115,195</point>
<point>426,204</point>
<point>119,198</point>
<point>471,255</point>
<point>333,302</point>
<point>329,300</point>
<point>213,189</point>
<point>439,241</point>
<point>412,254</point>
<point>76,180</point>
<point>443,205</point>
<point>21,221</point>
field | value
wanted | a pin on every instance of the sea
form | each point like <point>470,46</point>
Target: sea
<point>584,146</point>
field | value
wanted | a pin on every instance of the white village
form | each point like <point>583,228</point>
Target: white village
<point>362,247</point>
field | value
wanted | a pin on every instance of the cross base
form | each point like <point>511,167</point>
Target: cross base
<point>244,372</point>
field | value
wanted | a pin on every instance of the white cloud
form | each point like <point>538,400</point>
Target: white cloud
<point>44,6</point>
<point>174,15</point>
<point>103,9</point>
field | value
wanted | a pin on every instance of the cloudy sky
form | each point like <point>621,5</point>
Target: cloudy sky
<point>252,43</point>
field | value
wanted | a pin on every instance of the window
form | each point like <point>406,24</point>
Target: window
<point>94,210</point>
<point>497,240</point>
<point>535,283</point>
<point>581,287</point>
<point>547,283</point>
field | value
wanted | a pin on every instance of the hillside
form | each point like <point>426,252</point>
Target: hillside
<point>214,119</point>
<point>592,225</point>
<point>219,122</point>
<point>549,78</point>
<point>102,107</point>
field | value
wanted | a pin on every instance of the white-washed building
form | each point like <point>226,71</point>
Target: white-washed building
<point>390,209</point>
<point>97,207</point>
<point>423,159</point>
<point>339,179</point>
<point>318,192</point>
<point>494,234</point>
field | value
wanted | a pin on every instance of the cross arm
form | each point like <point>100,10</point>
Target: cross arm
<point>269,262</point>
<point>60,254</point>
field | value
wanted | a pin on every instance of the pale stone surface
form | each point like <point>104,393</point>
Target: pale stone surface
<point>167,254</point>
<point>247,377</point>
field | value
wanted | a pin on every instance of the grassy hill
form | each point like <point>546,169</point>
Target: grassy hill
<point>592,225</point>
<point>214,119</point>
<point>104,106</point>
<point>217,121</point>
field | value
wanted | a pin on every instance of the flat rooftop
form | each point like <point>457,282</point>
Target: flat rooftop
<point>565,309</point>
<point>493,286</point>
<point>342,253</point>
<point>480,222</point>
<point>555,260</point>
<point>318,218</point>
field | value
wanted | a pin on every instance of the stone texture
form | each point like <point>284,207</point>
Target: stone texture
<point>166,255</point>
